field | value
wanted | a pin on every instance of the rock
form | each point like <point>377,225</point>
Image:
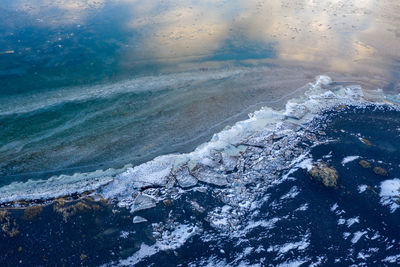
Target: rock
<point>139,219</point>
<point>365,164</point>
<point>185,179</point>
<point>31,213</point>
<point>7,226</point>
<point>380,171</point>
<point>67,209</point>
<point>83,257</point>
<point>326,175</point>
<point>3,215</point>
<point>366,141</point>
<point>143,202</point>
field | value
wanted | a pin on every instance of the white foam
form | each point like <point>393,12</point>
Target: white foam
<point>390,193</point>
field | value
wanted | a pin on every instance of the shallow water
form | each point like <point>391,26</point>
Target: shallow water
<point>92,91</point>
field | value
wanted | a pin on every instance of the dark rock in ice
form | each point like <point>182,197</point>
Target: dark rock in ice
<point>326,175</point>
<point>184,178</point>
<point>365,164</point>
<point>380,171</point>
<point>143,202</point>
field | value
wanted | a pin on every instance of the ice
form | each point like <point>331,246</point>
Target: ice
<point>144,252</point>
<point>139,219</point>
<point>143,202</point>
<point>169,241</point>
<point>295,111</point>
<point>352,221</point>
<point>303,207</point>
<point>306,164</point>
<point>362,188</point>
<point>390,193</point>
<point>392,259</point>
<point>185,179</point>
<point>349,159</point>
<point>56,186</point>
<point>293,263</point>
<point>300,245</point>
<point>209,176</point>
<point>294,191</point>
<point>229,162</point>
<point>357,235</point>
<point>334,207</point>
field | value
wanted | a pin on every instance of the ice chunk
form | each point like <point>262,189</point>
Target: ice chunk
<point>143,202</point>
<point>349,159</point>
<point>295,111</point>
<point>357,236</point>
<point>209,176</point>
<point>390,193</point>
<point>139,219</point>
<point>229,162</point>
<point>185,179</point>
<point>362,188</point>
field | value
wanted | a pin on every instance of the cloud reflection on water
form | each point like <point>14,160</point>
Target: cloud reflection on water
<point>360,36</point>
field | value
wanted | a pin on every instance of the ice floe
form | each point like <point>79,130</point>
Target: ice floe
<point>390,193</point>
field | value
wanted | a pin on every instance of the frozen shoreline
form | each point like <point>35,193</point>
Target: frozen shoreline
<point>121,184</point>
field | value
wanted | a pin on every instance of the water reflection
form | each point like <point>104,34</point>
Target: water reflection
<point>357,36</point>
